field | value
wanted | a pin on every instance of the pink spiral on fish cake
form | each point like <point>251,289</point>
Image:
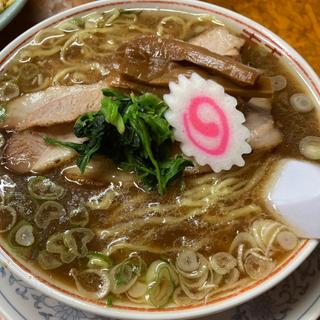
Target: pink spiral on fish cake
<point>207,129</point>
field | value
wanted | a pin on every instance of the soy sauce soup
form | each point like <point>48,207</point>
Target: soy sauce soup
<point>103,234</point>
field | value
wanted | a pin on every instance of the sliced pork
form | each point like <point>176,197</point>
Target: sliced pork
<point>27,151</point>
<point>99,172</point>
<point>260,104</point>
<point>219,40</point>
<point>263,132</point>
<point>52,106</point>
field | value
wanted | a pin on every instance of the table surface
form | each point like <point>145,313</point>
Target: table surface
<point>296,21</point>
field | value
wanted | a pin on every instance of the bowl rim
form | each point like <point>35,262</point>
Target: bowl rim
<point>277,45</point>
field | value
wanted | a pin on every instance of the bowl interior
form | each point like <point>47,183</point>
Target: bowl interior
<point>248,29</point>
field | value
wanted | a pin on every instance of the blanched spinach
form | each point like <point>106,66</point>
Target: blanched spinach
<point>134,133</point>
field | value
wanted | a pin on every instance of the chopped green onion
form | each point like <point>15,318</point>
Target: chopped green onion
<point>76,240</point>
<point>42,188</point>
<point>79,217</point>
<point>301,103</point>
<point>287,240</point>
<point>310,147</point>
<point>93,284</point>
<point>125,274</point>
<point>55,244</point>
<point>99,260</point>
<point>22,250</point>
<point>278,82</point>
<point>48,261</point>
<point>160,283</point>
<point>222,262</point>
<point>187,261</point>
<point>8,218</point>
<point>232,277</point>
<point>48,212</point>
<point>24,236</point>
<point>137,293</point>
<point>258,268</point>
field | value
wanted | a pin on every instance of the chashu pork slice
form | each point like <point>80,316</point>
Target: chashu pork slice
<point>264,135</point>
<point>26,151</point>
<point>52,106</point>
<point>99,172</point>
<point>219,40</point>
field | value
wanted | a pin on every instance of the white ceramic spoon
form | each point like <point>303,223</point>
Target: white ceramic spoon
<point>294,193</point>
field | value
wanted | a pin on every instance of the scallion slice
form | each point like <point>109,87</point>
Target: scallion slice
<point>22,238</point>
<point>99,260</point>
<point>42,188</point>
<point>160,283</point>
<point>48,261</point>
<point>48,212</point>
<point>55,244</point>
<point>93,284</point>
<point>25,235</point>
<point>76,240</point>
<point>8,218</point>
<point>125,274</point>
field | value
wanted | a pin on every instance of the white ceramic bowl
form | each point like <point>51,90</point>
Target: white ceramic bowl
<point>249,29</point>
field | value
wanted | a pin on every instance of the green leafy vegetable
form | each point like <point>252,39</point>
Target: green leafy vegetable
<point>110,110</point>
<point>109,300</point>
<point>134,133</point>
<point>92,126</point>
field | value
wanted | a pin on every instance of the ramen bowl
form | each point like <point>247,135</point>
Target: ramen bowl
<point>248,29</point>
